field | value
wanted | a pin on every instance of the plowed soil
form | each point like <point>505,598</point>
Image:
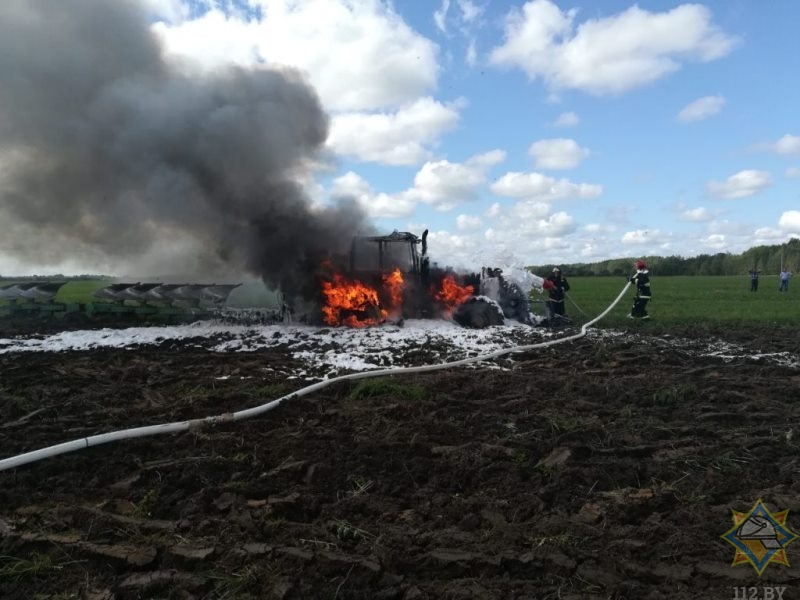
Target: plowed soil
<point>600,468</point>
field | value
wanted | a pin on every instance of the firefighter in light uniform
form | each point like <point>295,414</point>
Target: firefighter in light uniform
<point>641,279</point>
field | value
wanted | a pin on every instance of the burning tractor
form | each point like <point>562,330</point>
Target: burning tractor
<point>389,278</point>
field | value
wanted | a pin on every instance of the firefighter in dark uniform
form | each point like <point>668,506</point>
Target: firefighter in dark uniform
<point>754,273</point>
<point>641,279</point>
<point>560,286</point>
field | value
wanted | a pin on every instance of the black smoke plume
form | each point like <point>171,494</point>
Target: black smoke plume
<point>108,148</point>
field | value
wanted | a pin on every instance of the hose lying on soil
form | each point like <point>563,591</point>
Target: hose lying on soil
<point>178,426</point>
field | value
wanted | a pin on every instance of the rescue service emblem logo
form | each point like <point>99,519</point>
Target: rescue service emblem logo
<point>760,537</point>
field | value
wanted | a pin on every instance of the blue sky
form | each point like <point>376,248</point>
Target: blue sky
<point>549,131</point>
<point>541,131</point>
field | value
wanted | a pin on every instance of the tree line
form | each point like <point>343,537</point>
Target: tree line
<point>768,259</point>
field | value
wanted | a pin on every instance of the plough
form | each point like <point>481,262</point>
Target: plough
<point>158,300</point>
<point>168,293</point>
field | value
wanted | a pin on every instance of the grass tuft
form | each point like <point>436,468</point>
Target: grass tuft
<point>387,387</point>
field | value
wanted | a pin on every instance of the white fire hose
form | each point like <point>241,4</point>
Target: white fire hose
<point>193,424</point>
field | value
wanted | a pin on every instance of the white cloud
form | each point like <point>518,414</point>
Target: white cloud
<point>590,251</point>
<point>598,228</point>
<point>469,10</point>
<point>468,222</point>
<point>741,185</point>
<point>487,159</point>
<point>442,184</point>
<point>700,109</point>
<point>461,251</point>
<point>391,205</point>
<point>512,241</point>
<point>446,185</point>
<point>558,153</point>
<point>466,21</point>
<point>788,144</point>
<point>610,54</point>
<point>531,229</point>
<point>403,137</point>
<point>358,55</point>
<point>695,215</point>
<point>535,186</point>
<point>518,235</point>
<point>546,231</point>
<point>715,241</point>
<point>472,54</point>
<point>170,10</point>
<point>767,235</point>
<point>567,119</point>
<point>493,211</point>
<point>793,172</point>
<point>352,185</point>
<point>730,228</point>
<point>528,210</point>
<point>789,222</point>
<point>642,237</point>
<point>440,15</point>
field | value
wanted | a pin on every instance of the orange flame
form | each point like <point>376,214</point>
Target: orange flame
<point>342,295</point>
<point>361,301</point>
<point>394,284</point>
<point>452,294</point>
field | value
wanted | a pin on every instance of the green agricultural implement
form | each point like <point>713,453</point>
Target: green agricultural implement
<point>148,301</point>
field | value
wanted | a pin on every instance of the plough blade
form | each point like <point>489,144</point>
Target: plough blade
<point>184,293</point>
<point>137,291</point>
<point>159,292</point>
<point>159,300</point>
<point>217,294</point>
<point>113,291</point>
<point>42,291</point>
<point>13,290</point>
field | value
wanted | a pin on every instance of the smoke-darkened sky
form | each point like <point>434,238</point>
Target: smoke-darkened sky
<point>109,151</point>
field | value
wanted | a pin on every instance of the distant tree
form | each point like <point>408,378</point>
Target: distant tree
<point>766,258</point>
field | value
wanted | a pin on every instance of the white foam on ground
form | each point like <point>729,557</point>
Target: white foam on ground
<point>344,348</point>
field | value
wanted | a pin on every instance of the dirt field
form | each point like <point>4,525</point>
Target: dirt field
<point>602,468</point>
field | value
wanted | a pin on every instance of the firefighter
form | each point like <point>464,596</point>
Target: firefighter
<point>557,292</point>
<point>754,273</point>
<point>641,279</point>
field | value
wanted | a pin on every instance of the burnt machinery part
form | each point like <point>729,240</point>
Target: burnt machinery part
<point>478,312</point>
<point>514,303</point>
<point>384,253</point>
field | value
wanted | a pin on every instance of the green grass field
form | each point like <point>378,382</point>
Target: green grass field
<point>79,290</point>
<point>682,301</point>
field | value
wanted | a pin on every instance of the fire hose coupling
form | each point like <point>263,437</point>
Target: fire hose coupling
<point>199,425</point>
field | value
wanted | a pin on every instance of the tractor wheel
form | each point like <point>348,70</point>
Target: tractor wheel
<point>478,313</point>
